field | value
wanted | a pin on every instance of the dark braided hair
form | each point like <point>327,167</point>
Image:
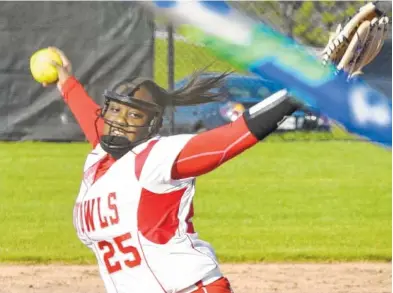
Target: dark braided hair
<point>195,91</point>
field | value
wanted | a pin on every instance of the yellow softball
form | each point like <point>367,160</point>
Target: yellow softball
<point>41,69</point>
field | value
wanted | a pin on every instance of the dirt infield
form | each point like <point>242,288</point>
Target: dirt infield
<point>245,278</point>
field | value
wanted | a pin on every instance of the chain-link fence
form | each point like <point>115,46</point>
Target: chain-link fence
<point>308,22</point>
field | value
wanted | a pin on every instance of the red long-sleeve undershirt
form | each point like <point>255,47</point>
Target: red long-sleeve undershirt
<point>202,154</point>
<point>84,108</point>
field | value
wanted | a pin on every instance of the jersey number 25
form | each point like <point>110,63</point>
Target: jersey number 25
<point>110,252</point>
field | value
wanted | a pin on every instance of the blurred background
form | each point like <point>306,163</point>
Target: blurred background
<point>110,41</point>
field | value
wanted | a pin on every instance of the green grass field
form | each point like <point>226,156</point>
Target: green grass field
<point>303,201</point>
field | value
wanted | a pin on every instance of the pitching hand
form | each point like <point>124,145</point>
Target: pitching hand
<point>64,72</point>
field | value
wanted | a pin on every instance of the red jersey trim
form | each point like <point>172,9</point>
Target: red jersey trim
<point>141,158</point>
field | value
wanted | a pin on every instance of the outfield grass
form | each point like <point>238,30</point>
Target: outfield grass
<point>292,201</point>
<point>302,201</point>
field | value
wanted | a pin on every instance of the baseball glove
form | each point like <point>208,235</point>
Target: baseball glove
<point>358,42</point>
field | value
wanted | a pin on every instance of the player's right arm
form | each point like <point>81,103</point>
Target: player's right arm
<point>83,107</point>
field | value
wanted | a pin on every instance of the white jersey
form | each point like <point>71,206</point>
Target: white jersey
<point>137,220</point>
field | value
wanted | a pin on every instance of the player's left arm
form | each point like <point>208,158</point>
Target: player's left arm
<point>207,151</point>
<point>350,48</point>
<point>169,163</point>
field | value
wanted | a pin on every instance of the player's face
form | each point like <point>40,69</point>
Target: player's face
<point>125,121</point>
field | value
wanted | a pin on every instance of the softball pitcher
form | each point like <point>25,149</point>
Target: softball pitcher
<point>135,205</point>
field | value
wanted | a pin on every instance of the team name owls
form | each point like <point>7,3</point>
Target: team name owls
<point>94,211</point>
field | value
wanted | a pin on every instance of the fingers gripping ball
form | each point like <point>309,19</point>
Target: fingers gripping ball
<point>41,68</point>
